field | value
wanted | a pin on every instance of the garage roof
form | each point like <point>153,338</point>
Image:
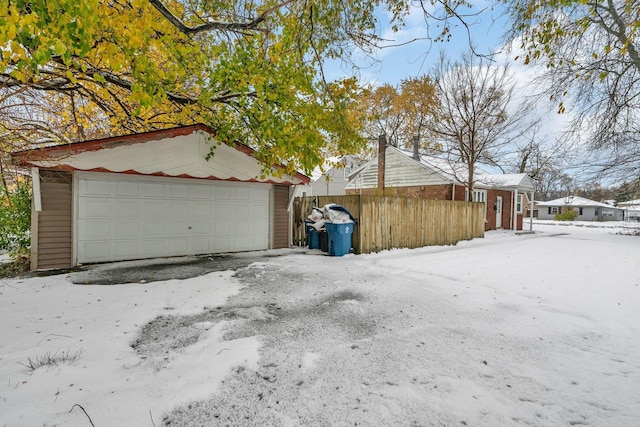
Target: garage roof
<point>176,152</point>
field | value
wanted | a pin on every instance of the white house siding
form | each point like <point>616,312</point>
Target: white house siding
<point>400,171</point>
<point>404,172</point>
<point>367,178</point>
<point>589,213</point>
<point>334,186</point>
<point>543,213</point>
<point>606,214</point>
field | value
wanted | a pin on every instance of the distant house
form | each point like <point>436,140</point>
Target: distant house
<point>302,190</point>
<point>635,204</point>
<point>632,214</point>
<point>407,174</point>
<point>588,210</point>
<point>334,180</point>
<point>631,209</point>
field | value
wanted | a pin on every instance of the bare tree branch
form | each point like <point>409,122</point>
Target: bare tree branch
<point>252,25</point>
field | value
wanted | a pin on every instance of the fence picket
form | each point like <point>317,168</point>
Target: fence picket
<point>398,222</point>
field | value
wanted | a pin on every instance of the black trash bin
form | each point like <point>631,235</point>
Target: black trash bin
<point>324,240</point>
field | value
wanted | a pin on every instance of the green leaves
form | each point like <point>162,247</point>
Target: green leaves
<point>59,48</point>
<point>252,71</point>
<point>15,220</point>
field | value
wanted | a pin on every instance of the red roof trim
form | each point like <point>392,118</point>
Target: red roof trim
<point>162,174</point>
<point>23,158</point>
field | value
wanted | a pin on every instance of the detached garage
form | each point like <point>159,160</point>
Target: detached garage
<point>152,195</point>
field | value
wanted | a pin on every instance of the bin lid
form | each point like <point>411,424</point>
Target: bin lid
<point>341,209</point>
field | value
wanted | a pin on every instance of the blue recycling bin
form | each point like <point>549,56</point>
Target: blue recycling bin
<point>312,235</point>
<point>313,239</point>
<point>339,237</point>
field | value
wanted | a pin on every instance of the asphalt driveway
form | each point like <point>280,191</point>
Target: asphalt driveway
<point>166,268</point>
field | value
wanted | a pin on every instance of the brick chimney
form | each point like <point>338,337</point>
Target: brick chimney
<point>382,146</point>
<point>416,148</point>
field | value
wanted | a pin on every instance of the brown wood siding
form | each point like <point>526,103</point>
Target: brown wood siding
<point>54,221</point>
<point>280,217</point>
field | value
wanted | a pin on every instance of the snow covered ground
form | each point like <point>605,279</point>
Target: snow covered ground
<point>532,329</point>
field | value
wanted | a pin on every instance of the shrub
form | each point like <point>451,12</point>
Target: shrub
<point>15,221</point>
<point>568,215</point>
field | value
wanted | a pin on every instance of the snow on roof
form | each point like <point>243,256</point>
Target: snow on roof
<point>521,180</point>
<point>631,203</point>
<point>455,171</point>
<point>450,170</point>
<point>512,178</point>
<point>574,201</point>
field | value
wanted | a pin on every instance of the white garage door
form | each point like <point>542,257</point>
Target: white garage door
<point>137,217</point>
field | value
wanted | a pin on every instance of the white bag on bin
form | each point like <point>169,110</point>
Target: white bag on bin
<point>319,225</point>
<point>338,215</point>
<point>316,214</point>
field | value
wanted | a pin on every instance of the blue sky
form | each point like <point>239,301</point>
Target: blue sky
<point>406,58</point>
<point>487,27</point>
<point>487,31</point>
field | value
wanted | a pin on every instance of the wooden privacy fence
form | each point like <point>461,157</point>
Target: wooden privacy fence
<point>398,222</point>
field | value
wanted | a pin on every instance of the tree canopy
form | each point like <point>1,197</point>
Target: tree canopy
<point>252,70</point>
<point>478,113</point>
<point>401,113</point>
<point>247,69</point>
<point>591,53</point>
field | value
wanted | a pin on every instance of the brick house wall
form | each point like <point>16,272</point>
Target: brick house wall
<point>492,200</point>
<point>432,192</point>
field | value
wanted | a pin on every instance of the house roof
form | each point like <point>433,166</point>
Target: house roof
<point>451,171</point>
<point>630,203</point>
<point>448,170</point>
<point>575,201</point>
<point>403,170</point>
<point>176,152</point>
<point>520,180</point>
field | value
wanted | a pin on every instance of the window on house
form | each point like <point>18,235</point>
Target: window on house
<point>579,211</point>
<point>347,172</point>
<point>607,213</point>
<point>519,203</point>
<point>478,196</point>
<point>554,210</point>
